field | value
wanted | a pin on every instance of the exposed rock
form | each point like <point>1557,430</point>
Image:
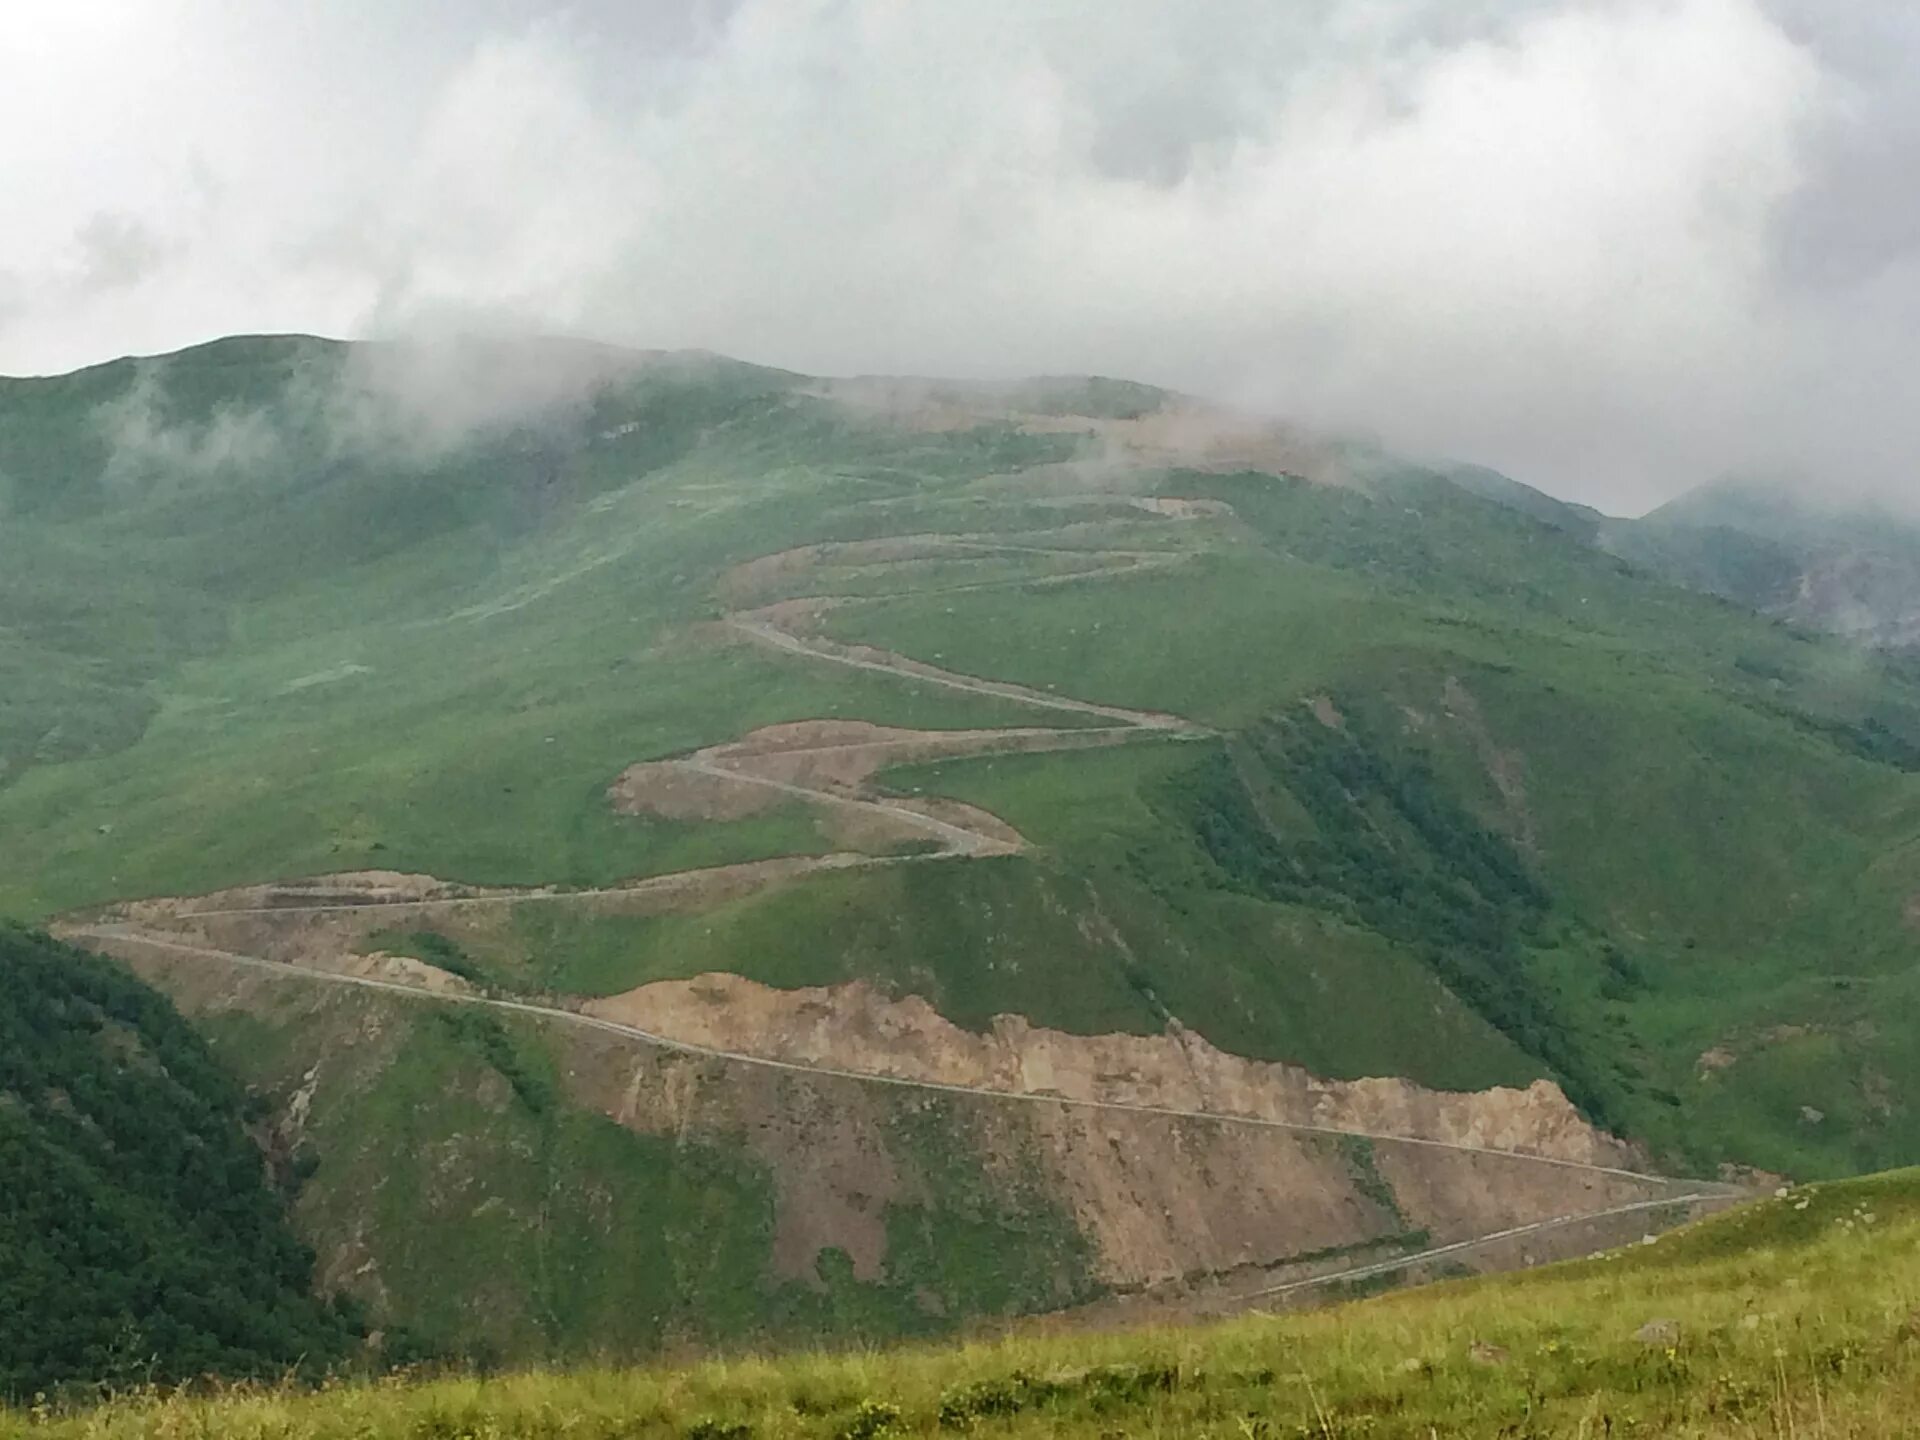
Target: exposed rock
<point>855,1027</point>
<point>405,970</point>
<point>1327,713</point>
<point>1507,768</point>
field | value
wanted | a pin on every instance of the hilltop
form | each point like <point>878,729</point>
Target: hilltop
<point>850,856</point>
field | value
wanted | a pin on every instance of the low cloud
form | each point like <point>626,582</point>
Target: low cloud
<point>428,394</point>
<point>1615,247</point>
<point>146,447</point>
<point>412,401</point>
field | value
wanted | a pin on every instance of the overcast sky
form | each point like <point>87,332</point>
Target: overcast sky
<point>1613,247</point>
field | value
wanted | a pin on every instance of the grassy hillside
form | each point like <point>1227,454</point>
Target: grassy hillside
<point>1713,815</point>
<point>506,612</point>
<point>1451,794</point>
<point>520,1190</point>
<point>1791,1316</point>
<point>141,1235</point>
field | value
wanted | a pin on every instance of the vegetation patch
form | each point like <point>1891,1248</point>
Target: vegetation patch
<point>140,1240</point>
<point>1305,812</point>
<point>989,1238</point>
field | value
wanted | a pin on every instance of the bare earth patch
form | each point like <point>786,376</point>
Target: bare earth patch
<point>673,791</point>
<point>1159,1196</point>
<point>830,763</point>
<point>405,970</point>
<point>856,1027</point>
<point>344,889</point>
<point>1174,508</point>
<point>1183,431</point>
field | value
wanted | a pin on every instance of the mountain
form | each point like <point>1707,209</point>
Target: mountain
<point>1852,571</point>
<point>140,1240</point>
<point>695,853</point>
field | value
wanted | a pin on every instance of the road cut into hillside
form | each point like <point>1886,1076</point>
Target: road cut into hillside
<point>1174,1158</point>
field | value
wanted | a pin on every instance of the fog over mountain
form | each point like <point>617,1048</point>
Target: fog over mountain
<point>1615,247</point>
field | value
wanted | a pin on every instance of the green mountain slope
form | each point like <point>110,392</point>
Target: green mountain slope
<point>1660,765</point>
<point>1321,758</point>
<point>139,1236</point>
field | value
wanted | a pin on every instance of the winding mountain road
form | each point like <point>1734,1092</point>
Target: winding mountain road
<point>1459,1247</point>
<point>956,841</point>
<point>885,663</point>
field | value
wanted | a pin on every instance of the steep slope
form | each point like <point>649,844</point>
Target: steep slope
<point>139,1236</point>
<point>920,720</point>
<point>520,1181</point>
<point>1791,1316</point>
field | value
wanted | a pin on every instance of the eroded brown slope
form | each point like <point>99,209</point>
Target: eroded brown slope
<point>856,1027</point>
<point>1156,1196</point>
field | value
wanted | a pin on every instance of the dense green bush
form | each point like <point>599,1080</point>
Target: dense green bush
<point>139,1238</point>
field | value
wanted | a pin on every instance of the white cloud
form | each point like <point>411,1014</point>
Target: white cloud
<point>1546,234</point>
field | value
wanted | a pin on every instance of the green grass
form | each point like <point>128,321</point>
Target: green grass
<point>1791,1316</point>
<point>1088,951</point>
<point>345,657</point>
<point>1698,792</point>
<point>1569,821</point>
<point>455,705</point>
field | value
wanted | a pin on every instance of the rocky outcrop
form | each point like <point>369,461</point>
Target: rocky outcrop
<point>857,1028</point>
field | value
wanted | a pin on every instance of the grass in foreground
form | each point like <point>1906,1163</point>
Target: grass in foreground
<point>1794,1316</point>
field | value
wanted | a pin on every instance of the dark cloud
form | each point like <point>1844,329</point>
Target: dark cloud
<point>1614,246</point>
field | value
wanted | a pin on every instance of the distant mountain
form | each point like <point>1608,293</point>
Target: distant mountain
<point>1852,571</point>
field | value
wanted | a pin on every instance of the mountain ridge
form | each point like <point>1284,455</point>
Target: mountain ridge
<point>698,679</point>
